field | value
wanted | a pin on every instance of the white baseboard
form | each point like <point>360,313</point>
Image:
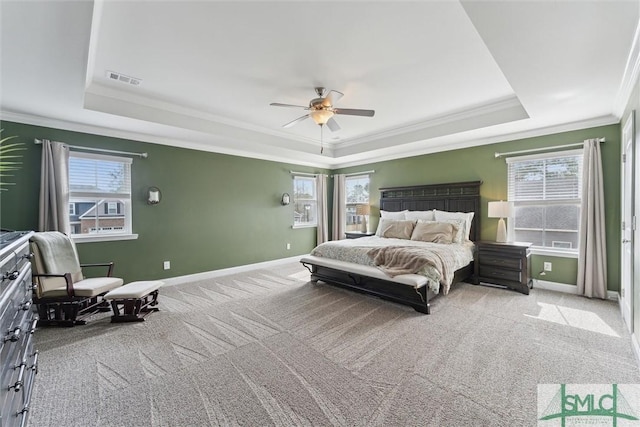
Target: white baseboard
<point>227,271</point>
<point>568,289</point>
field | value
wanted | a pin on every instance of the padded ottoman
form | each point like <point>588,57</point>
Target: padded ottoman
<point>135,299</point>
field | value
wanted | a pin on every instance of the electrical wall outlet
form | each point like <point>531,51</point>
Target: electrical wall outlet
<point>288,246</point>
<point>547,266</point>
<point>166,265</point>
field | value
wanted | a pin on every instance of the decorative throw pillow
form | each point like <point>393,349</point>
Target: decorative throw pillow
<point>458,228</point>
<point>436,232</point>
<point>467,217</point>
<point>398,230</point>
<point>384,223</point>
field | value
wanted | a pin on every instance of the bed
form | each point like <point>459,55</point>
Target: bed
<point>413,289</point>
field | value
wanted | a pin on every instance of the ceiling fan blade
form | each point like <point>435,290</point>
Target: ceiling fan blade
<point>354,112</point>
<point>293,122</point>
<point>334,96</point>
<point>333,125</point>
<point>278,104</point>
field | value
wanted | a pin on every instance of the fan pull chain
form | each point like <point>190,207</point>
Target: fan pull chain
<point>321,139</point>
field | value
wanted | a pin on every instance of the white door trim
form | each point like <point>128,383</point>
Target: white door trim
<point>628,220</point>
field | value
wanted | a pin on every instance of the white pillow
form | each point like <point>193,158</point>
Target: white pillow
<point>393,215</point>
<point>458,228</point>
<point>423,215</point>
<point>467,217</point>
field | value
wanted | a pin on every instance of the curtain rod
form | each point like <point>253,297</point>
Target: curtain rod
<point>358,173</point>
<point>535,150</point>
<point>303,173</point>
<point>101,150</point>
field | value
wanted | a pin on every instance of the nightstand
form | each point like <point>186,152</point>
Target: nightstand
<point>505,264</point>
<point>358,234</point>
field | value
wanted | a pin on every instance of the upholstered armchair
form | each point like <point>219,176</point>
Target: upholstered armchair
<point>63,295</point>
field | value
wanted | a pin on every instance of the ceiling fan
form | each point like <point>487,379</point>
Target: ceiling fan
<point>322,109</point>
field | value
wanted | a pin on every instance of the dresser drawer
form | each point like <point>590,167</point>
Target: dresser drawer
<point>12,397</point>
<point>499,261</point>
<point>15,301</point>
<point>490,272</point>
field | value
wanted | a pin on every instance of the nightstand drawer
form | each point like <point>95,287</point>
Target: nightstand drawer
<point>489,272</point>
<point>500,261</point>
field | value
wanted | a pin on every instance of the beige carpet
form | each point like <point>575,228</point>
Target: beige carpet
<point>268,348</point>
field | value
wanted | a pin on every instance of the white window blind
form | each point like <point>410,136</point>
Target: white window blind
<point>546,193</point>
<point>92,175</point>
<point>545,177</point>
<point>100,193</point>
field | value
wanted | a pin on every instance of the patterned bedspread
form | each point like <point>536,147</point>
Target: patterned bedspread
<point>450,257</point>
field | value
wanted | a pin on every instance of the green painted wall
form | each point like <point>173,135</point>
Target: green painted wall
<point>479,163</point>
<point>220,211</point>
<point>217,210</point>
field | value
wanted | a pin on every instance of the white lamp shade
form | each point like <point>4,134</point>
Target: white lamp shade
<point>500,209</point>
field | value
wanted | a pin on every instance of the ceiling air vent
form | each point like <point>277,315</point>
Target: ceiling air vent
<point>112,75</point>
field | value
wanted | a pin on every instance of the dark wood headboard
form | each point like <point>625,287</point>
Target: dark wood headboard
<point>452,197</point>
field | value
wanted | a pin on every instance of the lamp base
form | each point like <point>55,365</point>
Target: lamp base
<point>364,227</point>
<point>501,236</point>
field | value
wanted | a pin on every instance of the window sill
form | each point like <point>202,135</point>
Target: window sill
<point>305,226</point>
<point>553,252</point>
<point>102,238</point>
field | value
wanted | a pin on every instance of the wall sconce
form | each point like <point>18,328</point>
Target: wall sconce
<point>154,196</point>
<point>286,199</point>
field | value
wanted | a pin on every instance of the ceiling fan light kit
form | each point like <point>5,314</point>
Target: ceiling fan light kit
<point>321,111</point>
<point>321,117</point>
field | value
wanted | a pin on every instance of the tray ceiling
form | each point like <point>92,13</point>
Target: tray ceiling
<point>439,75</point>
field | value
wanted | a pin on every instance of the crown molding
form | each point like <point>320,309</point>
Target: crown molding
<point>461,115</point>
<point>630,76</point>
<point>284,156</point>
<point>458,142</point>
<point>437,145</point>
<point>106,99</point>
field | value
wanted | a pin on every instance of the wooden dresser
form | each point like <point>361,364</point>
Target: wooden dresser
<point>18,359</point>
<point>505,264</point>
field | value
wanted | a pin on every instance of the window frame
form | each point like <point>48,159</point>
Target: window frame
<point>314,200</point>
<point>547,250</point>
<point>100,198</point>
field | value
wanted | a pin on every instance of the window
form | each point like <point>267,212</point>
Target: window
<point>546,192</point>
<point>357,192</point>
<point>305,202</point>
<point>100,193</point>
<point>111,208</point>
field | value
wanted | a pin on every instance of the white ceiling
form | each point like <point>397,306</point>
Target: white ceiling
<point>439,74</point>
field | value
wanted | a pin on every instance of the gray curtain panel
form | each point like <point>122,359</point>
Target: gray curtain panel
<point>339,207</point>
<point>323,224</point>
<point>592,259</point>
<point>54,188</point>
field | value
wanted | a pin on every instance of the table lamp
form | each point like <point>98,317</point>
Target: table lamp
<point>500,210</point>
<point>363,210</point>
